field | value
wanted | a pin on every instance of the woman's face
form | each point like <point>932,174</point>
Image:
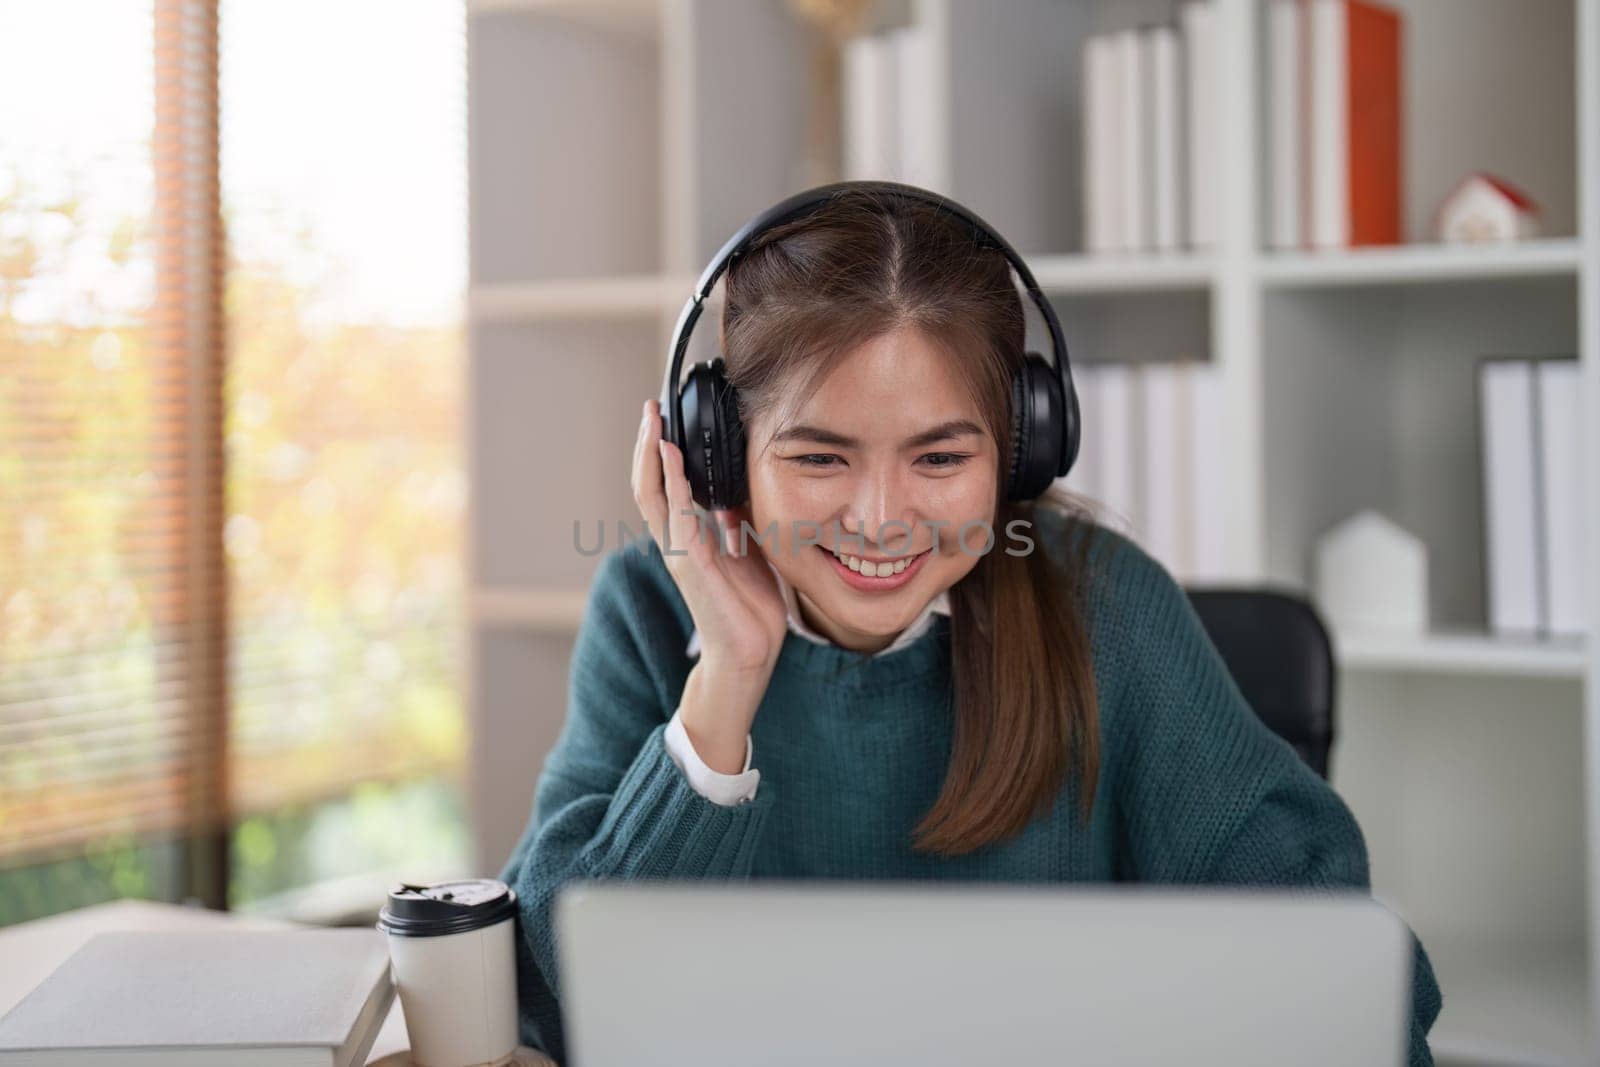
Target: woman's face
<point>891,448</point>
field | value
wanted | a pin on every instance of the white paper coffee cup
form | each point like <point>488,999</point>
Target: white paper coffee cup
<point>454,954</point>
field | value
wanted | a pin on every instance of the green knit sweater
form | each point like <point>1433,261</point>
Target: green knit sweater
<point>853,750</point>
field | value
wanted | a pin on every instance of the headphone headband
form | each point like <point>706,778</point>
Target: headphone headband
<point>809,202</point>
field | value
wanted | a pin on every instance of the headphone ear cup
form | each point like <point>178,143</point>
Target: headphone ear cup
<point>730,436</point>
<point>699,426</point>
<point>713,437</point>
<point>1038,421</point>
<point>1021,433</point>
<point>1072,432</point>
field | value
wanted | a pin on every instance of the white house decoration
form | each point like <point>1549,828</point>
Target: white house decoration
<point>1373,575</point>
<point>1484,208</point>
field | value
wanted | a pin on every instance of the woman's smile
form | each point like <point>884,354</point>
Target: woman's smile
<point>870,577</point>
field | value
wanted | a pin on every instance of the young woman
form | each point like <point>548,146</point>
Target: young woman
<point>1039,708</point>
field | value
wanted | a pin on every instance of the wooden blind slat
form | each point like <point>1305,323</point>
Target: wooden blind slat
<point>113,461</point>
<point>188,331</point>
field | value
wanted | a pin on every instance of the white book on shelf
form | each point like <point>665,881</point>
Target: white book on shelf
<point>1133,122</point>
<point>1121,448</point>
<point>918,118</point>
<point>1198,20</point>
<point>1098,156</point>
<point>889,88</point>
<point>859,106</point>
<point>1166,490</point>
<point>1352,157</point>
<point>1208,477</point>
<point>1560,416</point>
<point>1166,129</point>
<point>1116,184</point>
<point>1511,541</point>
<point>871,84</point>
<point>1286,121</point>
<point>1326,114</point>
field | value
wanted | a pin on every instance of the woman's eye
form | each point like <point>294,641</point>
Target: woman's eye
<point>825,460</point>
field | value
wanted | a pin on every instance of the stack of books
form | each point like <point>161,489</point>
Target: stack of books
<point>249,998</point>
<point>1334,111</point>
<point>889,122</point>
<point>1531,426</point>
<point>1149,146</point>
<point>1153,455</point>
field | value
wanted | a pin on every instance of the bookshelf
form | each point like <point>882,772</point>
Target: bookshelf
<point>615,143</point>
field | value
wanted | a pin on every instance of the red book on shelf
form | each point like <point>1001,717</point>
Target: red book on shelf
<point>1353,104</point>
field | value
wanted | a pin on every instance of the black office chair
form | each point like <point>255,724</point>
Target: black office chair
<point>1280,656</point>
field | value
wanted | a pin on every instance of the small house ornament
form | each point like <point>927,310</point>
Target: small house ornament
<point>1373,575</point>
<point>1484,208</point>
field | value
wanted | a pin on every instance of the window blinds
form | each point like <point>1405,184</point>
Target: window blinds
<point>113,639</point>
<point>230,479</point>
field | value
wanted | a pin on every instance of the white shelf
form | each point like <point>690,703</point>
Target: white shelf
<point>1460,653</point>
<point>556,611</point>
<point>1510,1004</point>
<point>622,297</point>
<point>1117,274</point>
<point>1418,264</point>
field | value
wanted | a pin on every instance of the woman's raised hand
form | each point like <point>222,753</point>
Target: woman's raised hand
<point>737,607</point>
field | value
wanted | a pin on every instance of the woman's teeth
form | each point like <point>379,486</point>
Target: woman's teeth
<point>871,569</point>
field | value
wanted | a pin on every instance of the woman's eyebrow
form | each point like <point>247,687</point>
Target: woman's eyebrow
<point>817,435</point>
<point>945,431</point>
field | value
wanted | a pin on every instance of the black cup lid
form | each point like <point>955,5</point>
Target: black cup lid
<point>446,907</point>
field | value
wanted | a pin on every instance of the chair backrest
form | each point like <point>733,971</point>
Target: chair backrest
<point>1280,656</point>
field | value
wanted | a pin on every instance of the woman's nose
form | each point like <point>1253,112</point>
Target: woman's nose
<point>879,504</point>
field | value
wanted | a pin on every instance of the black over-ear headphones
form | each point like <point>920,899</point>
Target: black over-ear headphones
<point>702,418</point>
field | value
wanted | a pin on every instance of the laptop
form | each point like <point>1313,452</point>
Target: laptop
<point>914,974</point>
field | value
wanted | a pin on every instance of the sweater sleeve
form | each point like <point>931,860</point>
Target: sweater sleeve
<point>713,785</point>
<point>1208,793</point>
<point>611,802</point>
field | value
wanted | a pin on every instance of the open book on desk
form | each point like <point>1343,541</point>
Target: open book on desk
<point>251,998</point>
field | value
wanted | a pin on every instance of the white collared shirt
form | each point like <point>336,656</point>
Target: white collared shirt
<point>731,789</point>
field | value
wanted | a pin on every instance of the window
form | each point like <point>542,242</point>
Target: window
<point>230,579</point>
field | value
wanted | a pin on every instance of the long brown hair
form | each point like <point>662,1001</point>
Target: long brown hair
<point>1024,693</point>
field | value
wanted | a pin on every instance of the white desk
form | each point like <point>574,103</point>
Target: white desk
<point>30,951</point>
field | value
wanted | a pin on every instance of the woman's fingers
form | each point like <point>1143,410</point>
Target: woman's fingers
<point>661,489</point>
<point>649,491</point>
<point>639,443</point>
<point>684,525</point>
<point>735,602</point>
